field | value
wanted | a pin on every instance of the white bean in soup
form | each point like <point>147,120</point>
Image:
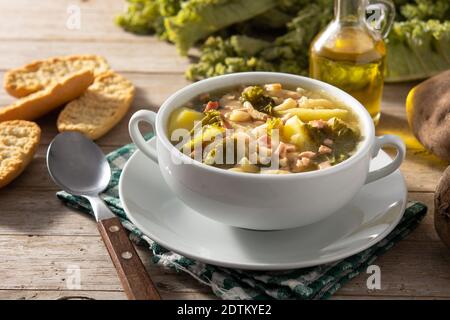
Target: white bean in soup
<point>266,129</point>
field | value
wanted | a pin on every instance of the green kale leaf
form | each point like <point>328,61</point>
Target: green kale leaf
<point>199,18</point>
<point>344,139</point>
<point>259,100</point>
<point>417,49</point>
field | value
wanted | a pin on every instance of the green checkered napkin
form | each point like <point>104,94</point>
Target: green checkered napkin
<point>318,282</point>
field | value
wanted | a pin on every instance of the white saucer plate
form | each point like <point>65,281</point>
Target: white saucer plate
<point>158,213</point>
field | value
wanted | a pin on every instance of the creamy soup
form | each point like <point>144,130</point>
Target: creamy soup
<point>265,129</point>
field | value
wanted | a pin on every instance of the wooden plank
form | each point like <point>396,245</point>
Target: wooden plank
<point>24,294</point>
<point>117,295</point>
<point>67,222</point>
<point>30,32</point>
<point>48,20</point>
<point>413,268</point>
<point>90,295</point>
<point>410,269</point>
<point>151,56</point>
<point>43,261</point>
<point>45,200</point>
<point>38,201</point>
<point>59,235</point>
<point>425,231</point>
<point>47,221</point>
<point>421,171</point>
<point>49,254</point>
<point>41,213</point>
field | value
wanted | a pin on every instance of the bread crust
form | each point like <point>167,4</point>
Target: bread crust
<point>19,140</point>
<point>39,103</point>
<point>40,74</point>
<point>100,108</point>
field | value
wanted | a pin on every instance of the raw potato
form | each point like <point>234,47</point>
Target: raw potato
<point>442,208</point>
<point>18,143</point>
<point>428,111</point>
<point>316,114</point>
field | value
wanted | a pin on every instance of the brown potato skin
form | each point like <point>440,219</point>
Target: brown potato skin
<point>428,108</point>
<point>442,208</point>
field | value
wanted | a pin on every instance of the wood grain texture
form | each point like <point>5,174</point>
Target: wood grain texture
<point>40,238</point>
<point>141,58</point>
<point>135,279</point>
<point>89,295</point>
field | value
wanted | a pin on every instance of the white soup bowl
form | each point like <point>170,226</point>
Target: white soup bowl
<point>262,201</point>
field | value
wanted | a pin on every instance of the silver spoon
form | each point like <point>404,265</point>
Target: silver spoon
<point>78,166</point>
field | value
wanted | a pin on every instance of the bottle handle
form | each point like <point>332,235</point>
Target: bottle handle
<point>379,11</point>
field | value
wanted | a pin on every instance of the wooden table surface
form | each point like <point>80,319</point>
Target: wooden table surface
<point>40,238</point>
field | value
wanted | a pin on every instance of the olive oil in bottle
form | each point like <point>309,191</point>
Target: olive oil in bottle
<point>350,55</point>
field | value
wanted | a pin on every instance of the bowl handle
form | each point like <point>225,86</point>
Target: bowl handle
<point>392,166</point>
<point>133,127</point>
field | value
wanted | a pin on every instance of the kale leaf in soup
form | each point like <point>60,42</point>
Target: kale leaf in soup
<point>266,129</point>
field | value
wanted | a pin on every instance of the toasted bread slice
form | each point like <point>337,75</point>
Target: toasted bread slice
<point>100,108</point>
<point>39,103</point>
<point>40,74</point>
<point>18,143</point>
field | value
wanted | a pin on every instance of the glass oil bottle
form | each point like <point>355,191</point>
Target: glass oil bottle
<point>350,53</point>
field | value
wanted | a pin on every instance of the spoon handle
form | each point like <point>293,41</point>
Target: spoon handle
<point>135,279</point>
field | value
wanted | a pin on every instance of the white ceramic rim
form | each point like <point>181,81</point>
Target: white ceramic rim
<point>261,266</point>
<point>364,117</point>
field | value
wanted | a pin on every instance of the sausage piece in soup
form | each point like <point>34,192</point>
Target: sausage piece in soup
<point>266,129</point>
